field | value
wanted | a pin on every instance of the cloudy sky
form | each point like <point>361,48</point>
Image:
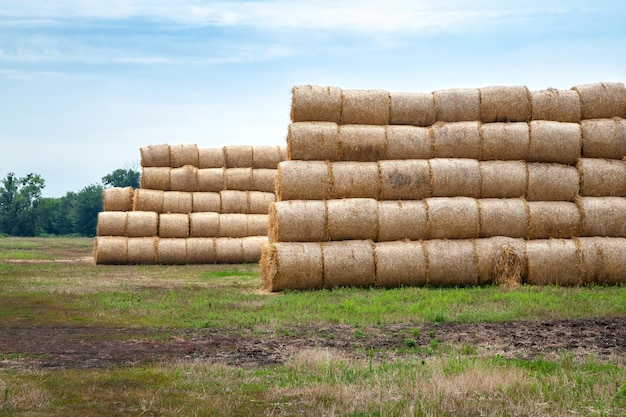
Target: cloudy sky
<point>85,83</point>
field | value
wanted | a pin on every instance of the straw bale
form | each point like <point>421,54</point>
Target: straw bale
<point>172,251</point>
<point>266,157</point>
<point>177,202</point>
<point>313,141</point>
<point>211,179</point>
<point>228,250</point>
<point>409,142</point>
<point>504,141</point>
<point>174,225</point>
<point>400,264</point>
<point>407,180</point>
<point>504,104</point>
<point>142,224</point>
<point>257,224</point>
<point>292,265</point>
<point>204,224</point>
<point>112,223</point>
<point>206,201</point>
<point>457,105</point>
<point>118,198</point>
<point>362,143</point>
<point>503,217</point>
<point>298,221</point>
<point>251,247</point>
<point>184,178</point>
<point>603,216</point>
<point>500,260</point>
<point>263,179</point>
<point>367,107</point>
<point>553,219</point>
<point>399,220</point>
<point>156,178</point>
<point>603,260</point>
<point>284,153</point>
<point>556,105</point>
<point>503,179</point>
<point>259,202</point>
<point>238,156</point>
<point>142,250</point>
<point>452,218</point>
<point>200,250</point>
<point>417,109</point>
<point>315,103</point>
<point>155,156</point>
<point>238,179</point>
<point>456,140</point>
<point>554,142</point>
<point>552,261</point>
<point>111,250</point>
<point>306,180</point>
<point>348,263</point>
<point>455,177</point>
<point>604,138</point>
<point>551,182</point>
<point>352,218</point>
<point>148,200</point>
<point>211,158</point>
<point>451,262</point>
<point>354,180</point>
<point>234,201</point>
<point>184,154</point>
<point>602,177</point>
<point>602,100</point>
<point>233,225</point>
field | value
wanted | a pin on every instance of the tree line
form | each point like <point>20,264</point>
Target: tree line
<point>24,212</point>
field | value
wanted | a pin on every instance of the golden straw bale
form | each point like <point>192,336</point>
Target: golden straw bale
<point>604,138</point>
<point>348,263</point>
<point>352,218</point>
<point>142,250</point>
<point>452,218</point>
<point>504,141</point>
<point>399,220</point>
<point>257,224</point>
<point>266,157</point>
<point>457,105</point>
<point>602,100</point>
<point>177,202</point>
<point>172,251</point>
<point>603,260</point>
<point>233,225</point>
<point>251,247</point>
<point>174,225</point>
<point>142,224</point>
<point>405,179</point>
<point>311,141</point>
<point>148,200</point>
<point>112,223</point>
<point>234,201</point>
<point>298,221</point>
<point>456,140</point>
<point>211,158</point>
<point>185,154</point>
<point>111,250</point>
<point>603,216</point>
<point>367,107</point>
<point>400,264</point>
<point>204,224</point>
<point>302,180</point>
<point>504,104</point>
<point>259,202</point>
<point>184,178</point>
<point>155,155</point>
<point>118,198</point>
<point>552,261</point>
<point>211,179</point>
<point>201,250</point>
<point>553,219</point>
<point>409,142</point>
<point>551,182</point>
<point>238,156</point>
<point>362,143</point>
<point>354,180</point>
<point>501,261</point>
<point>503,217</point>
<point>292,265</point>
<point>602,177</point>
<point>206,201</point>
<point>315,103</point>
<point>455,177</point>
<point>263,179</point>
<point>156,178</point>
<point>228,250</point>
<point>451,262</point>
<point>554,142</point>
<point>238,179</point>
<point>503,179</point>
<point>417,109</point>
<point>556,105</point>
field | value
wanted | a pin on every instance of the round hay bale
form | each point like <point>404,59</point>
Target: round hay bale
<point>111,250</point>
<point>352,218</point>
<point>263,180</point>
<point>554,142</point>
<point>266,157</point>
<point>501,261</point>
<point>200,250</point>
<point>456,140</point>
<point>251,247</point>
<point>362,143</point>
<point>602,177</point>
<point>602,100</point>
<point>315,103</point>
<point>172,251</point>
<point>233,225</point>
<point>292,265</point>
<point>155,178</point>
<point>234,201</point>
<point>257,225</point>
<point>417,109</point>
<point>604,138</point>
<point>148,200</point>
<point>118,198</point>
<point>409,142</point>
<point>603,260</point>
<point>142,250</point>
<point>451,262</point>
<point>228,250</point>
<point>177,202</point>
<point>553,219</point>
<point>556,105</point>
<point>259,202</point>
<point>503,217</point>
<point>112,223</point>
<point>238,179</point>
<point>503,179</point>
<point>142,224</point>
<point>184,178</point>
<point>155,155</point>
<point>303,180</point>
<point>298,221</point>
<point>552,261</point>
<point>400,264</point>
<point>204,224</point>
<point>455,177</point>
<point>238,156</point>
<point>457,105</point>
<point>211,179</point>
<point>452,218</point>
<point>551,182</point>
<point>603,216</point>
<point>206,201</point>
<point>284,153</point>
<point>504,141</point>
<point>504,104</point>
<point>354,180</point>
<point>174,225</point>
<point>348,263</point>
<point>211,158</point>
<point>405,180</point>
<point>184,154</point>
<point>313,141</point>
<point>366,107</point>
<point>399,220</point>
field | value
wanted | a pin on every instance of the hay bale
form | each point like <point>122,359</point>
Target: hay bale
<point>504,104</point>
<point>503,179</point>
<point>111,250</point>
<point>603,216</point>
<point>259,202</point>
<point>211,158</point>
<point>313,141</point>
<point>155,156</point>
<point>200,250</point>
<point>174,225</point>
<point>457,105</point>
<point>155,178</point>
<point>503,217</point>
<point>302,180</point>
<point>554,142</point>
<point>298,221</point>
<point>409,142</point>
<point>553,219</point>
<point>400,264</point>
<point>142,224</point>
<point>234,201</point>
<point>206,201</point>
<point>211,179</point>
<point>263,179</point>
<point>451,262</point>
<point>184,178</point>
<point>348,263</point>
<point>366,107</point>
<point>292,265</point>
<point>184,154</point>
<point>452,218</point>
<point>501,261</point>
<point>602,100</point>
<point>142,250</point>
<point>204,224</point>
<point>314,103</point>
<point>266,157</point>
<point>148,200</point>
<point>456,140</point>
<point>112,223</point>
<point>238,179</point>
<point>504,141</point>
<point>406,180</point>
<point>455,177</point>
<point>238,156</point>
<point>118,198</point>
<point>172,251</point>
<point>362,143</point>
<point>352,218</point>
<point>257,224</point>
<point>177,202</point>
<point>603,260</point>
<point>602,177</point>
<point>354,180</point>
<point>251,247</point>
<point>552,261</point>
<point>604,138</point>
<point>233,225</point>
<point>551,182</point>
<point>556,105</point>
<point>399,220</point>
<point>417,109</point>
<point>228,250</point>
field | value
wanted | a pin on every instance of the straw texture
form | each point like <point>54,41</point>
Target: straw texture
<point>604,138</point>
<point>399,220</point>
<point>457,105</point>
<point>503,217</point>
<point>148,200</point>
<point>287,223</point>
<point>452,218</point>
<point>118,198</point>
<point>455,177</point>
<point>183,154</point>
<point>211,158</point>
<point>311,141</point>
<point>142,224</point>
<point>112,223</point>
<point>602,100</point>
<point>184,178</point>
<point>155,156</point>
<point>354,180</point>
<point>362,143</point>
<point>405,180</point>
<point>238,156</point>
<point>456,140</point>
<point>296,265</point>
<point>554,142</point>
<point>553,219</point>
<point>552,261</point>
<point>451,262</point>
<point>556,105</point>
<point>368,107</point>
<point>302,180</point>
<point>552,182</point>
<point>603,216</point>
<point>504,141</point>
<point>313,103</point>
<point>111,250</point>
<point>211,179</point>
<point>503,179</point>
<point>602,177</point>
<point>172,251</point>
<point>142,250</point>
<point>504,104</point>
<point>200,250</point>
<point>174,225</point>
<point>417,109</point>
<point>603,260</point>
<point>353,218</point>
<point>409,142</point>
<point>348,263</point>
<point>400,263</point>
<point>177,202</point>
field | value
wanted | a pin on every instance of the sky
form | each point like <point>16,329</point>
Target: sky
<point>84,84</point>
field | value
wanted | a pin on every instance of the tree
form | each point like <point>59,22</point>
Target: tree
<point>85,208</point>
<point>122,178</point>
<point>18,197</point>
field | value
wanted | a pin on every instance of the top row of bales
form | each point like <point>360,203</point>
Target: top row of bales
<point>489,104</point>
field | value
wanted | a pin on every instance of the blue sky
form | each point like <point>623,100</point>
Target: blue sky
<point>85,83</point>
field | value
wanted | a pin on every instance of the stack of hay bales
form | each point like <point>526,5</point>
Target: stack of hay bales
<point>454,187</point>
<point>195,205</point>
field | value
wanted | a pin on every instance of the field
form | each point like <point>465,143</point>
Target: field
<point>78,339</point>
